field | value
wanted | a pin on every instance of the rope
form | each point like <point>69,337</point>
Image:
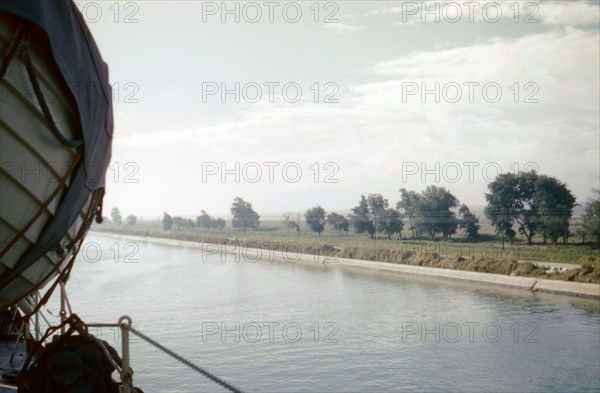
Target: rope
<point>39,345</point>
<point>96,199</point>
<point>12,48</point>
<point>44,105</point>
<point>99,218</point>
<point>44,206</point>
<point>184,361</point>
<point>64,276</point>
<point>106,354</point>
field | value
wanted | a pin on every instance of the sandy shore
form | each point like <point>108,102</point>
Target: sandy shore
<point>231,252</point>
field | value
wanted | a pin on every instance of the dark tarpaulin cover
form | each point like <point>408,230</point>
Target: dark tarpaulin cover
<point>78,58</point>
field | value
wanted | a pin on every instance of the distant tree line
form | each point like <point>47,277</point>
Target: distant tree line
<point>427,214</point>
<point>537,205</point>
<point>244,217</point>
<point>534,204</point>
<point>207,222</point>
<point>202,221</point>
<point>591,219</point>
<point>117,219</point>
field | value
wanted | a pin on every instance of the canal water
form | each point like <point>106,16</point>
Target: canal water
<point>289,327</point>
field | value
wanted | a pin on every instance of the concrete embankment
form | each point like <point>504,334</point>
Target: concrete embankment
<point>527,283</point>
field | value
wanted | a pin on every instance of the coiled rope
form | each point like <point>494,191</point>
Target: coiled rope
<point>191,365</point>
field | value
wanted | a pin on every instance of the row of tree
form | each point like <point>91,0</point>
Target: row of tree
<point>202,221</point>
<point>534,204</point>
<point>115,215</point>
<point>591,220</point>
<point>244,217</point>
<point>537,205</point>
<point>428,213</point>
<point>207,222</point>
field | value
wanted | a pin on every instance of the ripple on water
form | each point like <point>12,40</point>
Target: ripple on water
<point>173,295</point>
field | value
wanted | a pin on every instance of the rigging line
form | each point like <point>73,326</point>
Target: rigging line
<point>185,361</point>
<point>96,200</point>
<point>38,347</point>
<point>64,275</point>
<point>101,345</point>
<point>42,208</point>
<point>12,48</point>
<point>44,105</point>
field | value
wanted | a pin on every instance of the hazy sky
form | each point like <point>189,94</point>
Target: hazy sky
<point>389,98</point>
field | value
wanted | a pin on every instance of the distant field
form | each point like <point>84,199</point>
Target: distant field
<point>486,255</point>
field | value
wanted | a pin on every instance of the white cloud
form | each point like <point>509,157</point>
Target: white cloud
<point>559,13</point>
<point>564,64</point>
<point>571,13</point>
<point>341,28</point>
<point>371,132</point>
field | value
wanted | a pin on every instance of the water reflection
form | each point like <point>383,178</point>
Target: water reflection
<point>392,332</point>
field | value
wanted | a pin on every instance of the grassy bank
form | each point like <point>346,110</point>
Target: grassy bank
<point>486,256</point>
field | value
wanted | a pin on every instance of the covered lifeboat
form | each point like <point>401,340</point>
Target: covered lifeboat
<point>55,141</point>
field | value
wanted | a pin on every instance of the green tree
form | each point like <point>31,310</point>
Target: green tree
<point>535,203</point>
<point>510,235</point>
<point>204,220</point>
<point>433,213</point>
<point>498,211</point>
<point>115,214</point>
<point>315,219</point>
<point>468,222</point>
<point>392,223</point>
<point>510,200</point>
<point>178,222</point>
<point>408,206</point>
<point>167,222</point>
<point>294,226</point>
<point>183,223</point>
<point>582,233</point>
<point>360,218</point>
<point>554,204</point>
<point>591,218</point>
<point>217,223</point>
<point>377,208</point>
<point>338,222</point>
<point>243,215</point>
<point>131,219</point>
